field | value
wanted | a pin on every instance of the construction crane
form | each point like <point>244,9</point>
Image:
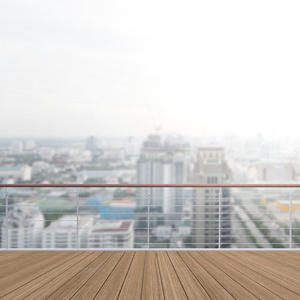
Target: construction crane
<point>157,128</point>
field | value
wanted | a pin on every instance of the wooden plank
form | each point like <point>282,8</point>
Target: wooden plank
<point>266,282</point>
<point>25,263</point>
<point>210,284</point>
<point>255,288</point>
<point>260,269</point>
<point>270,267</point>
<point>71,287</point>
<point>132,287</point>
<point>192,287</point>
<point>150,275</point>
<point>171,284</point>
<point>60,266</point>
<point>287,261</point>
<point>46,290</point>
<point>91,287</point>
<point>232,287</point>
<point>13,257</point>
<point>152,287</point>
<point>112,287</point>
<point>13,281</point>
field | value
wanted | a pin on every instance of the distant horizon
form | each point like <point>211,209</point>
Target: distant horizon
<point>164,135</point>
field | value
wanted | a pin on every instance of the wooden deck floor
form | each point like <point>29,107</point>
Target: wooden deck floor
<point>149,275</point>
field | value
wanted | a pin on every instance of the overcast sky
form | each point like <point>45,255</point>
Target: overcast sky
<point>76,68</point>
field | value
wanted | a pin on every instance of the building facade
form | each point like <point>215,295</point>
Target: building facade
<point>211,168</point>
<point>161,163</point>
<point>62,233</point>
<point>25,226</point>
<point>111,234</point>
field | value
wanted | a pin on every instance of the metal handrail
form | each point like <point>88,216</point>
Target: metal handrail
<point>219,186</point>
<point>79,185</point>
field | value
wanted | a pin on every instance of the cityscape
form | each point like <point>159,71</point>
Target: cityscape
<point>178,217</point>
<point>149,150</point>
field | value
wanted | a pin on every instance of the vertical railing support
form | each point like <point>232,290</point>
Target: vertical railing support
<point>148,232</point>
<point>77,223</point>
<point>6,218</point>
<point>291,216</point>
<point>220,213</point>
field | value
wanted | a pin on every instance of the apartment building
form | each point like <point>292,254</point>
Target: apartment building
<point>25,226</point>
<point>111,234</point>
<point>211,168</point>
<point>62,232</point>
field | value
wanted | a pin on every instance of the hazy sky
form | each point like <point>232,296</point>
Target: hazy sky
<point>75,68</point>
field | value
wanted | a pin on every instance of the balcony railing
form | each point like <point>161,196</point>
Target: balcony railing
<point>150,216</point>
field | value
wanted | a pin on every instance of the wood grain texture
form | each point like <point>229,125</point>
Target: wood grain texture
<point>261,292</point>
<point>234,288</point>
<point>152,287</point>
<point>95,282</point>
<point>274,275</point>
<point>210,284</point>
<point>132,287</point>
<point>55,270</point>
<point>171,284</point>
<point>149,275</point>
<point>192,287</point>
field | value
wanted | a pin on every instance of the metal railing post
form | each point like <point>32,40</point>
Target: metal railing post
<point>291,204</point>
<point>77,223</point>
<point>220,212</point>
<point>6,219</point>
<point>148,232</point>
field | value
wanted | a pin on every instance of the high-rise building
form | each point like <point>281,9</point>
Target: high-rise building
<point>25,226</point>
<point>211,168</point>
<point>161,164</point>
<point>91,143</point>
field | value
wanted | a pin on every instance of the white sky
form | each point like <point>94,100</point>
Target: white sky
<point>76,68</point>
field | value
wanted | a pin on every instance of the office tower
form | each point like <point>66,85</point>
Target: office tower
<point>91,143</point>
<point>161,164</point>
<point>25,226</point>
<point>211,168</point>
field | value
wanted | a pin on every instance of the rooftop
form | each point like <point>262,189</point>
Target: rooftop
<point>151,275</point>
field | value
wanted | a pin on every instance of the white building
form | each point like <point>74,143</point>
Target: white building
<point>162,232</point>
<point>274,171</point>
<point>211,168</point>
<point>161,164</point>
<point>30,144</point>
<point>25,226</point>
<point>46,153</point>
<point>62,232</point>
<point>17,147</point>
<point>16,172</point>
<point>39,166</point>
<point>111,234</point>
